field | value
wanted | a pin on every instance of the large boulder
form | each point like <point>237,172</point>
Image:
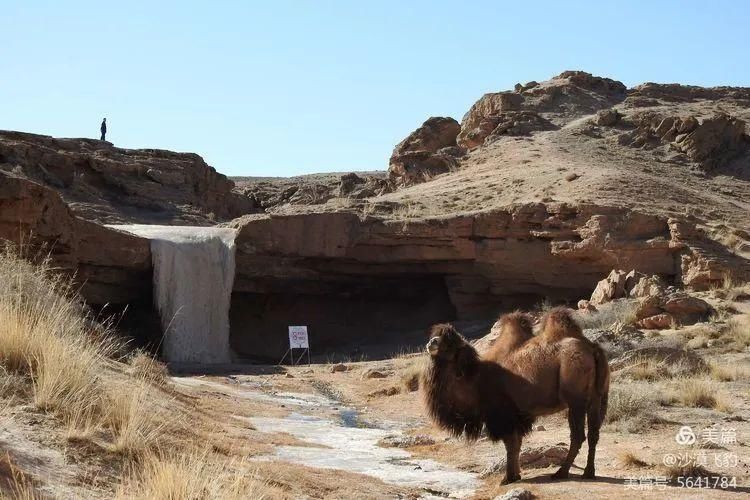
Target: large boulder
<point>482,117</point>
<point>610,288</point>
<point>430,150</point>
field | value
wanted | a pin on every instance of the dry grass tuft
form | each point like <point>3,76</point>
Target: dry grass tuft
<point>725,372</point>
<point>647,369</point>
<point>47,335</point>
<point>410,375</point>
<point>737,332</point>
<point>630,461</point>
<point>135,429</point>
<point>630,408</point>
<point>145,367</point>
<point>15,483</point>
<point>56,355</point>
<point>695,392</point>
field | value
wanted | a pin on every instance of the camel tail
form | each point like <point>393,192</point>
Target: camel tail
<point>602,379</point>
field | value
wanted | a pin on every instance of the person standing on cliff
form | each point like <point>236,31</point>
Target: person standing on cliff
<point>104,129</point>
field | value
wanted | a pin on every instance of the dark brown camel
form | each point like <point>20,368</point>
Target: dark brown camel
<point>521,377</point>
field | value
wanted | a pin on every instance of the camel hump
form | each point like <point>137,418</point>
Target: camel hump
<point>558,324</point>
<point>517,325</point>
<point>515,330</point>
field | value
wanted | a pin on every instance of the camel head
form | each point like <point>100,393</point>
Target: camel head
<point>448,347</point>
<point>444,341</point>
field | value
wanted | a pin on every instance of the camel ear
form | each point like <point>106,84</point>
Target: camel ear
<point>466,361</point>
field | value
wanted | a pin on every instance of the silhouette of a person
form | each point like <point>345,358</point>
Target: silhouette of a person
<point>104,128</point>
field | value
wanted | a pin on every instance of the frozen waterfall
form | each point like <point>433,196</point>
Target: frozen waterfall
<point>193,279</point>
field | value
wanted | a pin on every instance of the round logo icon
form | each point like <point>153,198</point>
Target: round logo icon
<point>685,436</point>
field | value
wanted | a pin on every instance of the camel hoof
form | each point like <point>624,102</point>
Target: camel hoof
<point>561,474</point>
<point>509,479</point>
<point>588,474</point>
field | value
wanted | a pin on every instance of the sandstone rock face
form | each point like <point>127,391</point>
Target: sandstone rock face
<point>114,185</point>
<point>705,263</point>
<point>334,270</point>
<point>110,266</point>
<point>710,142</point>
<point>428,151</point>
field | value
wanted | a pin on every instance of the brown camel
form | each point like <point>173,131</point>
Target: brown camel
<point>521,377</point>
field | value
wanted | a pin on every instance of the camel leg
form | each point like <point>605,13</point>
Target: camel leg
<point>576,422</point>
<point>512,462</point>
<point>594,420</point>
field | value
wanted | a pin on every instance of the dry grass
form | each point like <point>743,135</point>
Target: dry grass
<point>410,374</point>
<point>647,369</point>
<point>630,461</point>
<point>134,430</point>
<point>690,470</point>
<point>193,476</point>
<point>630,408</point>
<point>46,334</point>
<point>737,332</point>
<point>15,483</point>
<point>607,315</point>
<point>626,402</point>
<point>697,392</point>
<point>144,367</point>
<point>725,372</point>
<point>651,369</point>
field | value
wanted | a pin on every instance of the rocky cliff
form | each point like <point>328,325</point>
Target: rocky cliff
<point>340,273</point>
<point>113,185</point>
<point>111,269</point>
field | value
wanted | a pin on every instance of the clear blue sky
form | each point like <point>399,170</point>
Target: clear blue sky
<point>291,87</point>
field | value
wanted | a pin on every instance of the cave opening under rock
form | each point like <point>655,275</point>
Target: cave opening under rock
<point>342,316</point>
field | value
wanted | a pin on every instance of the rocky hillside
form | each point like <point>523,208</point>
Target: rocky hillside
<point>537,194</point>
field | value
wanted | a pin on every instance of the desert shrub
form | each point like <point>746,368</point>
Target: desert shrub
<point>737,332</point>
<point>626,403</point>
<point>607,315</point>
<point>700,393</point>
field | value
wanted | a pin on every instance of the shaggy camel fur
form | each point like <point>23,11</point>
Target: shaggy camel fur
<point>521,377</point>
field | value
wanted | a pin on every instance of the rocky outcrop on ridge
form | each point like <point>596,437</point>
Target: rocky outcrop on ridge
<point>114,185</point>
<point>428,151</point>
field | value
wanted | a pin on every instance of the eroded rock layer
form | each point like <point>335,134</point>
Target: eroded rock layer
<point>352,278</point>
